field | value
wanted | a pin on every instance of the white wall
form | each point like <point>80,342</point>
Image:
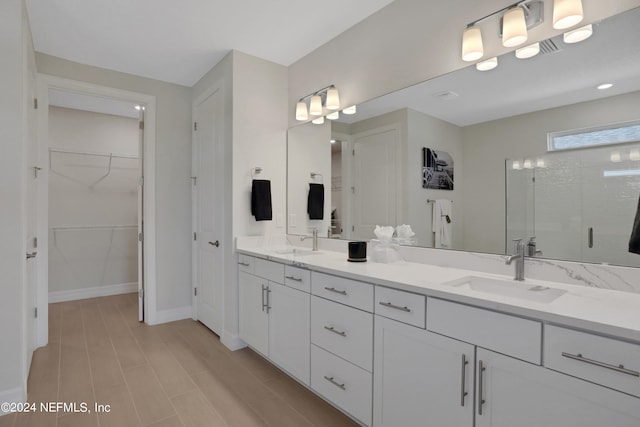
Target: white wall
<point>486,146</point>
<point>310,151</point>
<point>80,196</point>
<point>173,169</point>
<point>15,86</point>
<point>410,41</point>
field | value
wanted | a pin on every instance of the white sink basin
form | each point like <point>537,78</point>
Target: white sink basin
<point>296,251</point>
<point>509,288</point>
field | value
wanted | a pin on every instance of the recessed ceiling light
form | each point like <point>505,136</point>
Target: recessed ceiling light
<point>605,86</point>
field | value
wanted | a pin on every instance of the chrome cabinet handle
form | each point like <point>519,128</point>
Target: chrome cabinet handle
<point>31,255</point>
<point>334,382</point>
<point>336,291</point>
<point>463,380</point>
<point>216,243</point>
<point>590,237</point>
<point>481,400</point>
<point>268,299</point>
<point>332,329</point>
<point>619,368</point>
<point>397,307</point>
<point>245,264</point>
<point>264,288</point>
<point>297,279</point>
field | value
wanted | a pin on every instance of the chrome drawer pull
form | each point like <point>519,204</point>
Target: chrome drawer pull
<point>463,393</point>
<point>297,279</point>
<point>481,401</point>
<point>245,264</point>
<point>619,368</point>
<point>331,329</point>
<point>397,307</point>
<point>332,381</point>
<point>336,291</point>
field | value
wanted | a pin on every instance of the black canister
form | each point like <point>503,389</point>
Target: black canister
<point>357,251</point>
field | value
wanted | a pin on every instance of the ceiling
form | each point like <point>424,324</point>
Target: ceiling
<point>178,41</point>
<point>564,77</point>
<point>96,104</point>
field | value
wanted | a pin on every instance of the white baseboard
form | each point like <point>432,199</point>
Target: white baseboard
<point>92,292</point>
<point>14,395</point>
<point>173,314</point>
<point>232,341</point>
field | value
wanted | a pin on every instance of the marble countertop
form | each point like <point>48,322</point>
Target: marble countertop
<point>602,311</point>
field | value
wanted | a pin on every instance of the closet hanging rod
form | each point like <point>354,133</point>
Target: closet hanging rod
<point>89,153</point>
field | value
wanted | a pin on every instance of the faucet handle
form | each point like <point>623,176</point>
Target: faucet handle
<point>518,243</point>
<point>532,239</point>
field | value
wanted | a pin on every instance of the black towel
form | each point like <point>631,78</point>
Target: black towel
<point>261,199</point>
<point>634,241</point>
<point>315,201</point>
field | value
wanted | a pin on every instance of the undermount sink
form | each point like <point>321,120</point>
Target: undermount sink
<point>509,288</point>
<point>296,251</point>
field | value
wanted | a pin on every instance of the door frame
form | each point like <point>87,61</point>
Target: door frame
<point>216,87</point>
<point>46,82</point>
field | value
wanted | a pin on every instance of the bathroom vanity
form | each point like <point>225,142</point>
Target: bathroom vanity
<point>406,344</point>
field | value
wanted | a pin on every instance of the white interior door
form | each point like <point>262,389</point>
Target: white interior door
<point>374,182</point>
<point>208,218</point>
<point>141,298</point>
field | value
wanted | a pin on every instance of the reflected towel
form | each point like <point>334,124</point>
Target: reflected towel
<point>634,240</point>
<point>261,199</point>
<point>315,201</point>
<point>442,223</point>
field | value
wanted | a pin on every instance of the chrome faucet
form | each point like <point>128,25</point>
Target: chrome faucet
<point>314,236</point>
<point>531,248</point>
<point>519,258</point>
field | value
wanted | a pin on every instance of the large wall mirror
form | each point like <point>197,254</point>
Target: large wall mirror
<point>476,142</point>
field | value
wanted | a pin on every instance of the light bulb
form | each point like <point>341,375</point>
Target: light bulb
<point>578,35</point>
<point>566,13</point>
<point>528,51</point>
<point>487,65</point>
<point>333,99</point>
<point>514,27</point>
<point>472,48</point>
<point>301,111</point>
<point>315,105</point>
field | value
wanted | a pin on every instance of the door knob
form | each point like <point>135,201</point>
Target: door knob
<point>216,243</point>
<point>31,255</point>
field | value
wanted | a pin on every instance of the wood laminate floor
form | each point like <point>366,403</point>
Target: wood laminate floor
<point>174,374</point>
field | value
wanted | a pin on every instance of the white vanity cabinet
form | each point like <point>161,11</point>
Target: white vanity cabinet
<point>421,378</point>
<point>510,392</point>
<point>274,318</point>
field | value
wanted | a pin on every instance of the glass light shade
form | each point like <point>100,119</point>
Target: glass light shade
<point>578,35</point>
<point>615,157</point>
<point>333,116</point>
<point>634,155</point>
<point>472,48</point>
<point>528,51</point>
<point>333,99</point>
<point>301,111</point>
<point>540,163</point>
<point>528,164</point>
<point>315,105</point>
<point>318,121</point>
<point>349,110</point>
<point>516,165</point>
<point>514,27</point>
<point>567,13</point>
<point>487,65</point>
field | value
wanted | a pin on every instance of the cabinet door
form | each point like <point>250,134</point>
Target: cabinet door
<point>289,330</point>
<point>516,393</point>
<point>253,316</point>
<point>421,378</point>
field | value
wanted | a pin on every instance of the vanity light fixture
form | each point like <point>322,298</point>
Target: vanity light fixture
<point>578,35</point>
<point>528,51</point>
<point>333,116</point>
<point>605,86</point>
<point>349,110</point>
<point>634,155</point>
<point>516,165</point>
<point>528,164</point>
<point>615,157</point>
<point>318,121</point>
<point>327,96</point>
<point>540,163</point>
<point>333,141</point>
<point>516,20</point>
<point>567,13</point>
<point>488,64</point>
<point>139,107</point>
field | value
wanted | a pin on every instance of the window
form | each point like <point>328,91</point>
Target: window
<point>602,135</point>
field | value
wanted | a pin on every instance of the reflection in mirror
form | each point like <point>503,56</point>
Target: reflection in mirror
<point>479,119</point>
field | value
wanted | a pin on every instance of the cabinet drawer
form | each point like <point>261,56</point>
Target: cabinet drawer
<point>345,291</point>
<point>297,278</point>
<point>342,383</point>
<point>510,335</point>
<point>609,362</point>
<point>399,305</point>
<point>344,331</point>
<point>269,270</point>
<point>245,263</point>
